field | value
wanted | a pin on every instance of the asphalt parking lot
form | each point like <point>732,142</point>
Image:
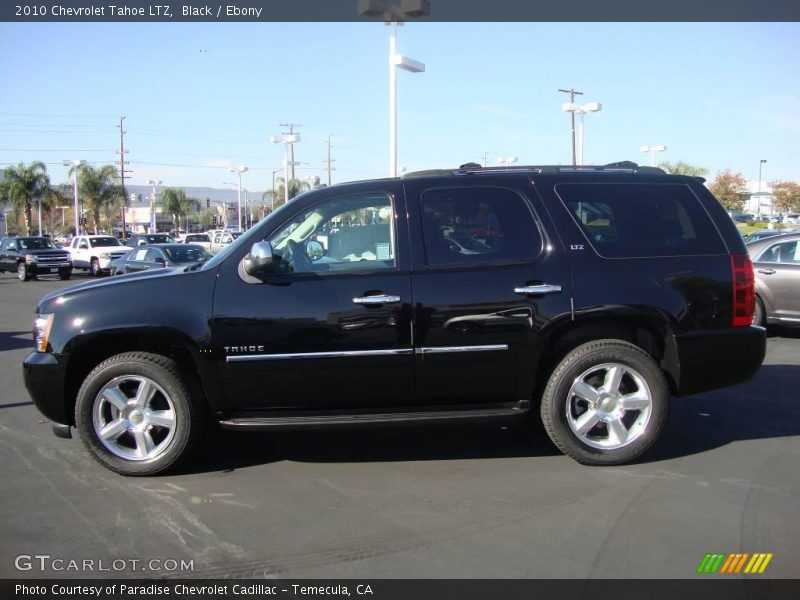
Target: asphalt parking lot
<point>461,502</point>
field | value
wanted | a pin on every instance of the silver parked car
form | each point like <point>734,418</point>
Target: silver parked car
<point>776,262</point>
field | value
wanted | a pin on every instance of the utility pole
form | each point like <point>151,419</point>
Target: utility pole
<point>485,159</point>
<point>572,93</point>
<point>122,171</point>
<point>291,127</point>
<point>330,160</point>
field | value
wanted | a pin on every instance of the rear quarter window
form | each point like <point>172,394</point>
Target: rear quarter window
<point>629,220</point>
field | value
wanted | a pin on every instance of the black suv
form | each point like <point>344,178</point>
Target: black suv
<point>33,256</point>
<point>590,295</point>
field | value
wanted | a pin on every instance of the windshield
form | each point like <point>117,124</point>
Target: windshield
<point>187,254</point>
<point>103,241</point>
<point>155,238</point>
<point>35,243</point>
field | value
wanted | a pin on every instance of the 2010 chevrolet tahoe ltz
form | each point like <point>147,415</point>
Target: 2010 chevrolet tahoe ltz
<point>589,294</point>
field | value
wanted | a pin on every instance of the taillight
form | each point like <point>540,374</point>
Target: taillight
<point>744,294</point>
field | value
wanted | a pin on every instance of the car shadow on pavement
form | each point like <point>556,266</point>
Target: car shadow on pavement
<point>10,341</point>
<point>765,407</point>
<point>229,450</point>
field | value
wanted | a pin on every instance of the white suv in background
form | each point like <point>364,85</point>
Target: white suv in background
<point>95,253</point>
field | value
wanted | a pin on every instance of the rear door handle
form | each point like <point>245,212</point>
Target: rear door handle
<point>376,299</point>
<point>767,271</point>
<point>542,288</point>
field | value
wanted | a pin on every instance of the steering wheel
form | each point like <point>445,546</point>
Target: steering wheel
<point>298,257</point>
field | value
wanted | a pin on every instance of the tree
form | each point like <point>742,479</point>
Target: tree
<point>22,185</point>
<point>296,186</point>
<point>786,196</point>
<point>98,188</point>
<point>683,168</point>
<point>177,204</point>
<point>730,189</point>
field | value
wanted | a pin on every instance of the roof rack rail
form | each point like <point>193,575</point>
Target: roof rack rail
<point>471,168</point>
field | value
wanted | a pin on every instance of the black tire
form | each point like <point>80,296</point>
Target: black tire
<point>23,273</point>
<point>173,390</point>
<point>758,313</point>
<point>599,445</point>
<point>65,274</point>
<point>94,268</point>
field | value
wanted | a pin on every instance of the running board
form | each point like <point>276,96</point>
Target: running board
<point>303,420</point>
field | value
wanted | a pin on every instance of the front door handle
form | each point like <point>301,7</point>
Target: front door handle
<point>767,271</point>
<point>376,299</point>
<point>542,288</point>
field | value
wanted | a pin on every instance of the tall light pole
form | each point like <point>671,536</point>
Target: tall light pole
<point>564,107</point>
<point>239,171</point>
<point>761,164</point>
<point>395,15</point>
<point>75,164</point>
<point>287,139</point>
<point>581,110</point>
<point>153,205</point>
<point>652,150</point>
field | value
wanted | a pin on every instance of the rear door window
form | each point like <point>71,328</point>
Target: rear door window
<point>623,220</point>
<point>478,224</point>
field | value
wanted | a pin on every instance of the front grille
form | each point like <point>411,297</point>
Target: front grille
<point>52,259</point>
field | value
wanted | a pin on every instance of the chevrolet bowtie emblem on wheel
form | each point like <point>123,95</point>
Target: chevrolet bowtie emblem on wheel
<point>738,562</point>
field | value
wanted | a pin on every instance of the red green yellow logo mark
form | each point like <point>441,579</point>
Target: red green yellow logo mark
<point>739,562</point>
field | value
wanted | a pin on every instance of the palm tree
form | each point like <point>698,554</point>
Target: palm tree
<point>295,187</point>
<point>177,204</point>
<point>22,185</point>
<point>98,188</point>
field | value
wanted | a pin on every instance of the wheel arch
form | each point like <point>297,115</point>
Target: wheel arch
<point>87,352</point>
<point>648,332</point>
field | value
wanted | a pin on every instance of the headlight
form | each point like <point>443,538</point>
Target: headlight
<point>41,331</point>
<point>31,259</point>
<point>105,255</point>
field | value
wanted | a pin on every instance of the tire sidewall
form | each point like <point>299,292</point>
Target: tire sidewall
<point>554,400</point>
<point>185,414</point>
<point>94,267</point>
<point>22,272</point>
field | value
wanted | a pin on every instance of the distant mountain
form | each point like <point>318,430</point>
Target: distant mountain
<point>217,196</point>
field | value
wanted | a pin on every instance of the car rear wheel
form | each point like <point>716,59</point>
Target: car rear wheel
<point>22,272</point>
<point>137,415</point>
<point>758,313</point>
<point>605,403</point>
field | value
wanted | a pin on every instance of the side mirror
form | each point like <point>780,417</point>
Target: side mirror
<point>259,262</point>
<point>162,262</point>
<point>314,250</point>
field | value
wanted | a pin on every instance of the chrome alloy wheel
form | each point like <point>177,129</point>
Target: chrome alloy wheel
<point>609,406</point>
<point>134,418</point>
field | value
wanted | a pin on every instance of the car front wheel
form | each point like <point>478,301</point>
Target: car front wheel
<point>137,415</point>
<point>605,403</point>
<point>94,268</point>
<point>22,272</point>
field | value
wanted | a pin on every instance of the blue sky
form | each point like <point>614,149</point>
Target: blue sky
<point>199,98</point>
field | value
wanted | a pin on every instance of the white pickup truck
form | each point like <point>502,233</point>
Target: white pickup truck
<point>95,253</point>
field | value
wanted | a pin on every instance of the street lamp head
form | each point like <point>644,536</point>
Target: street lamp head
<point>408,64</point>
<point>592,107</point>
<point>763,160</point>
<point>73,163</point>
<point>151,182</point>
<point>569,107</point>
<point>415,8</point>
